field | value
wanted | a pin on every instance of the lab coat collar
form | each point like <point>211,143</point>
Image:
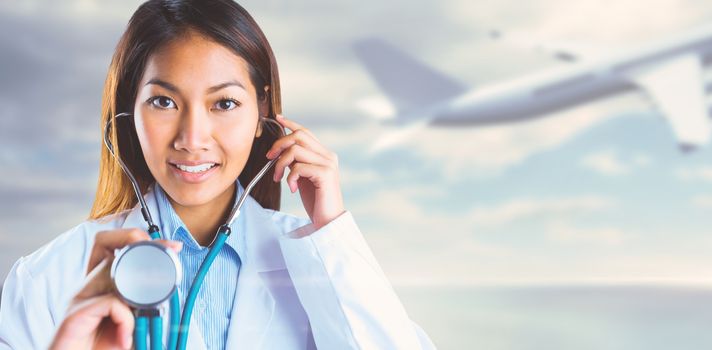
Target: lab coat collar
<point>254,305</point>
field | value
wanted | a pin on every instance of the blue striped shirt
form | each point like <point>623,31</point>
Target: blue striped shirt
<point>213,305</point>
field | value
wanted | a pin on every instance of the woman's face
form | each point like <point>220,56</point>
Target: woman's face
<point>196,115</point>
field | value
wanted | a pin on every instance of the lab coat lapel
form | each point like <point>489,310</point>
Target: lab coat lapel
<point>135,220</point>
<point>253,308</point>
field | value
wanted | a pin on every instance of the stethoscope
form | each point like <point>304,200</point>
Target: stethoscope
<point>146,274</point>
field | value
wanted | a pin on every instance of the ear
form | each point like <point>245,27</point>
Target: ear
<point>263,110</point>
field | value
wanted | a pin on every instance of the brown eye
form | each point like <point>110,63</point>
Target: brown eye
<point>227,104</point>
<point>162,102</point>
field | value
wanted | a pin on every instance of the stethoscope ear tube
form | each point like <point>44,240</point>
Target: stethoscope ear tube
<point>134,183</point>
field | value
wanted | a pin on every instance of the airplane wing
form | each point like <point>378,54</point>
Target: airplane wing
<point>677,89</point>
<point>408,83</point>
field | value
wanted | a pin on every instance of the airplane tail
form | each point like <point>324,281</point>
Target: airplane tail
<point>408,83</point>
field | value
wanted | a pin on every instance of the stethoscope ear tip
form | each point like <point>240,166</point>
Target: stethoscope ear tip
<point>280,129</point>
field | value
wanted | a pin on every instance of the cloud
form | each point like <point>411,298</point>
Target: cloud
<point>610,162</point>
<point>519,209</point>
<point>377,107</point>
<point>74,10</point>
<point>417,245</point>
<point>52,79</point>
<point>641,160</point>
<point>358,177</point>
<point>605,163</point>
<point>468,152</point>
<point>420,244</point>
<point>700,173</point>
<point>549,20</point>
<point>404,212</point>
<point>702,201</point>
<point>564,232</point>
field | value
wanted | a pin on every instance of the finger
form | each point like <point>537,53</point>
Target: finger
<point>312,172</point>
<point>177,246</point>
<point>291,125</point>
<point>294,126</point>
<point>299,137</point>
<point>122,316</point>
<point>299,154</point>
<point>84,318</point>
<point>107,241</point>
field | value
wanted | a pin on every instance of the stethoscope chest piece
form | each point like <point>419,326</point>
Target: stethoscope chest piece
<point>146,274</point>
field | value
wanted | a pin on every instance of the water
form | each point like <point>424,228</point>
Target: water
<point>551,318</point>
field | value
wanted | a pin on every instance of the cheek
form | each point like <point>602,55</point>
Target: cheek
<point>236,141</point>
<point>236,133</point>
<point>152,138</point>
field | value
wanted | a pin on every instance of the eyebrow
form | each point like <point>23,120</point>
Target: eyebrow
<point>212,89</point>
<point>226,84</point>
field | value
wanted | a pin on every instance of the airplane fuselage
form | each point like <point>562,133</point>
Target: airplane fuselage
<point>559,89</point>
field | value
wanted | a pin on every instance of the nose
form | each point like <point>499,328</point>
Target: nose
<point>194,131</point>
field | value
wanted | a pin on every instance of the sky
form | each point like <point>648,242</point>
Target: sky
<point>599,194</point>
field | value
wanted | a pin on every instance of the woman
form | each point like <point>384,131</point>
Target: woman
<point>201,84</point>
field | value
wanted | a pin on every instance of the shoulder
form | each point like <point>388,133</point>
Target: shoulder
<point>40,285</point>
<point>71,248</point>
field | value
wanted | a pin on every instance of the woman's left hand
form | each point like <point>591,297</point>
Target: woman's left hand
<point>313,169</point>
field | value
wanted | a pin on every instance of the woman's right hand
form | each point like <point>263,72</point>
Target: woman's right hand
<point>96,318</point>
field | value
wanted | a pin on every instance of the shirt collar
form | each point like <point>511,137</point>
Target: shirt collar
<point>173,227</point>
<point>256,231</point>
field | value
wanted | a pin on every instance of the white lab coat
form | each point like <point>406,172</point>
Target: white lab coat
<point>324,290</point>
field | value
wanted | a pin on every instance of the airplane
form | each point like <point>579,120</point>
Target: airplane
<point>669,72</point>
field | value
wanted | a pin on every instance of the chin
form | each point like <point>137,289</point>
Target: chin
<point>191,195</point>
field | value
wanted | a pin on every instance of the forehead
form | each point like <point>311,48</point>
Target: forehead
<point>194,61</point>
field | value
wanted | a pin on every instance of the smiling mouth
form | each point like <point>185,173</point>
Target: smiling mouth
<point>195,169</point>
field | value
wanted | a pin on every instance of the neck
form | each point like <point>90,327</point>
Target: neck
<point>203,221</point>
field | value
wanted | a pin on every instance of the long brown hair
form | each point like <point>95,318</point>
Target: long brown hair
<point>155,23</point>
